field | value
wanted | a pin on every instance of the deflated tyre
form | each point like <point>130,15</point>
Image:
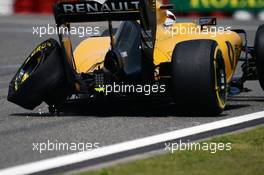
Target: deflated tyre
<point>40,78</point>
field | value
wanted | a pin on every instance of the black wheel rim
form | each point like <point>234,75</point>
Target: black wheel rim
<point>28,68</point>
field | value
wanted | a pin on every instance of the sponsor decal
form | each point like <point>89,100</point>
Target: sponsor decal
<point>223,5</point>
<point>100,6</point>
<point>226,3</point>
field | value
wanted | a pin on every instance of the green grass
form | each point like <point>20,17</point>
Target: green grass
<point>245,158</point>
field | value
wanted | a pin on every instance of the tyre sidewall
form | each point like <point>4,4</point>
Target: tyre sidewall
<point>259,47</point>
<point>194,76</point>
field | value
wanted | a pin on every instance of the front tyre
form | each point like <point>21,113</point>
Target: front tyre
<point>198,76</point>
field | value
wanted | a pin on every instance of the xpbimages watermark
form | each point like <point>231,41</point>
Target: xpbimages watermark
<point>211,147</point>
<point>145,89</point>
<point>56,145</point>
<point>80,31</point>
<point>189,29</point>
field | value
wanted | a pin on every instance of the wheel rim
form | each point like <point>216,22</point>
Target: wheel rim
<point>29,67</point>
<point>220,78</point>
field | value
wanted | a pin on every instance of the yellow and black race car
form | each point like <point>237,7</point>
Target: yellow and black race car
<point>150,54</point>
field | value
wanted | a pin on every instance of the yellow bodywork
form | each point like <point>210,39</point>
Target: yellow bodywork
<point>89,52</point>
<point>93,50</point>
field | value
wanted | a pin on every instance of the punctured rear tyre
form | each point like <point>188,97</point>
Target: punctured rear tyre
<point>41,78</point>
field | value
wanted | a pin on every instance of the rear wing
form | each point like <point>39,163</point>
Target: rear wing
<point>75,11</point>
<point>96,10</point>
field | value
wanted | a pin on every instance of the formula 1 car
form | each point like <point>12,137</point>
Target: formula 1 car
<point>145,54</point>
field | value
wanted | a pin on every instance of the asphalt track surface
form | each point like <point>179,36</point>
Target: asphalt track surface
<point>106,123</point>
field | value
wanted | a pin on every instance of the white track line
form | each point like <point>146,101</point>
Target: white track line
<point>65,160</point>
